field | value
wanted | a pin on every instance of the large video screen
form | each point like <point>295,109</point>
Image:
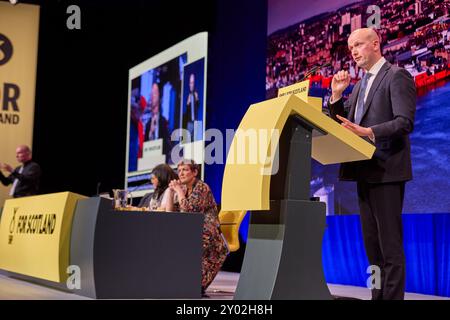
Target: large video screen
<point>415,35</point>
<point>166,111</point>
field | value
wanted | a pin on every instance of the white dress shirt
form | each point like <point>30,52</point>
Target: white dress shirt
<point>373,71</point>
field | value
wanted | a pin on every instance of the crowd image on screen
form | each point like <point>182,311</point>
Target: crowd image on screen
<point>414,35</point>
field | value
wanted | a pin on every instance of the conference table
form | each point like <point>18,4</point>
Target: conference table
<point>86,247</point>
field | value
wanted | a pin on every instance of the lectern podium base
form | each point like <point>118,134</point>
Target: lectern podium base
<point>284,260</point>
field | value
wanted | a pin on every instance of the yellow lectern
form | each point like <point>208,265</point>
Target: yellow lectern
<point>283,258</point>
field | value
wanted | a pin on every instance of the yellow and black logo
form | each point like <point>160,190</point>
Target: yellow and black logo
<point>13,221</point>
<point>12,225</point>
<point>6,49</point>
<point>34,224</point>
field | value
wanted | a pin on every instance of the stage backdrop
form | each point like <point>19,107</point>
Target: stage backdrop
<point>415,35</point>
<point>19,27</point>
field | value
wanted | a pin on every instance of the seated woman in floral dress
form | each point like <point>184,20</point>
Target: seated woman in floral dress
<point>193,195</point>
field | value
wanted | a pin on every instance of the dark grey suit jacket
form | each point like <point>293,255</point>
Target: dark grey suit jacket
<point>28,184</point>
<point>389,110</point>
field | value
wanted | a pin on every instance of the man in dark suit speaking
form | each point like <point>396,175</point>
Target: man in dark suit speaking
<point>381,110</point>
<point>24,178</point>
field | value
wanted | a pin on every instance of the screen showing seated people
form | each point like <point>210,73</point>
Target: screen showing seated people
<point>166,111</point>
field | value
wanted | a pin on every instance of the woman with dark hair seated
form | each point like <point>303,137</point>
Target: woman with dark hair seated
<point>160,177</point>
<point>195,196</point>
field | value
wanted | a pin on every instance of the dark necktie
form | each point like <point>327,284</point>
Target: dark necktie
<point>362,93</point>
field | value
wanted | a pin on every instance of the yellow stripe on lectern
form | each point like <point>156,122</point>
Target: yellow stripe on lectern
<point>35,235</point>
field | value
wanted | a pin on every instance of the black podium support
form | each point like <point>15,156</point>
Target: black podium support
<point>283,258</point>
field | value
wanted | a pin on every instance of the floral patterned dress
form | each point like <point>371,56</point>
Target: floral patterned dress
<point>215,248</point>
